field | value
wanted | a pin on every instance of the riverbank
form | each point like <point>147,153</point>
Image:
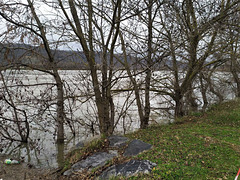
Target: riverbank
<point>22,171</point>
<point>198,146</point>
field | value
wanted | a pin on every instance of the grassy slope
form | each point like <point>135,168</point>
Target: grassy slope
<point>199,146</point>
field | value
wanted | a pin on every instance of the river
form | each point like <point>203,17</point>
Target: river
<point>35,93</point>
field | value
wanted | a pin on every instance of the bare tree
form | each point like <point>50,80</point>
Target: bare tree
<point>33,24</point>
<point>233,41</point>
<point>88,21</point>
<point>140,29</point>
<point>224,59</point>
<point>191,29</point>
<point>16,121</point>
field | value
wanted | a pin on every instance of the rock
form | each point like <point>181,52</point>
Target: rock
<point>79,145</point>
<point>130,168</point>
<point>117,141</point>
<point>114,152</point>
<point>68,172</point>
<point>96,160</point>
<point>135,147</point>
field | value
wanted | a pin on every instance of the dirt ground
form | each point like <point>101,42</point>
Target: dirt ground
<point>23,171</point>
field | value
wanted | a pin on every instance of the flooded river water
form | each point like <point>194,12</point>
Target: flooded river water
<point>42,151</point>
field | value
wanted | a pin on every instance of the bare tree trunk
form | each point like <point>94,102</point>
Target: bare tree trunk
<point>203,89</point>
<point>103,97</point>
<point>235,69</point>
<point>133,81</point>
<point>214,91</point>
<point>191,103</point>
<point>145,120</point>
<point>60,100</point>
<point>179,109</point>
<point>237,81</point>
<point>60,107</point>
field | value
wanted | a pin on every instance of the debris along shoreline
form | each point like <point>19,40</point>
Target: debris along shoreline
<point>21,170</point>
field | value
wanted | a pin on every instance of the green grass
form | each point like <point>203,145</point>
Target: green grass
<point>200,146</point>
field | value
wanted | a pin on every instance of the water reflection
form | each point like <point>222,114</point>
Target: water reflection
<point>24,152</point>
<point>40,153</point>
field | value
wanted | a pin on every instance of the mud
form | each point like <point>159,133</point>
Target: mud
<point>22,171</point>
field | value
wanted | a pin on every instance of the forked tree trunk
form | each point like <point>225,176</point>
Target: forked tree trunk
<point>179,111</point>
<point>103,98</point>
<point>179,105</point>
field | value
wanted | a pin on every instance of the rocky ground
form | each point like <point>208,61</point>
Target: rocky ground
<point>119,147</point>
<point>25,171</point>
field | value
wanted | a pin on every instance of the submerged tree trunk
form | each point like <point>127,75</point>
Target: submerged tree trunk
<point>60,107</point>
<point>60,100</point>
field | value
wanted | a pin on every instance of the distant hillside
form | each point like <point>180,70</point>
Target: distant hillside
<point>18,54</point>
<point>37,57</point>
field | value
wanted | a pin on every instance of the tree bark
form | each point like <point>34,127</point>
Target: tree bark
<point>203,89</point>
<point>60,107</point>
<point>103,97</point>
<point>145,119</point>
<point>60,99</point>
